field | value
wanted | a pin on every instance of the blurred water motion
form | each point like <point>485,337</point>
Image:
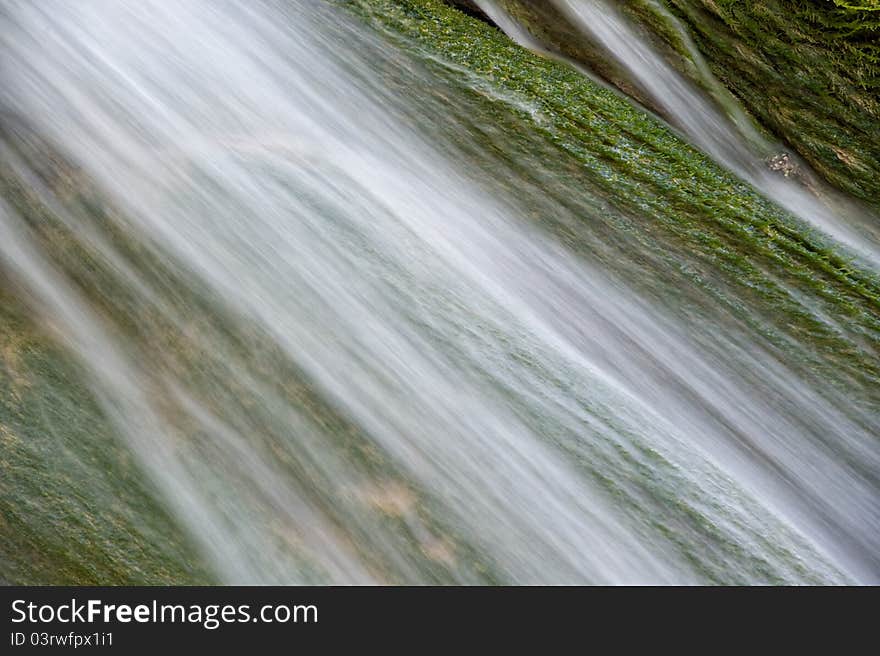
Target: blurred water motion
<point>326,323</point>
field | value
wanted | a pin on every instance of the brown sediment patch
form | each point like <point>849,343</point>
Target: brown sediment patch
<point>440,550</point>
<point>392,498</point>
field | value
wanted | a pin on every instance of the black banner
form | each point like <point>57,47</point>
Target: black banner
<point>134,618</point>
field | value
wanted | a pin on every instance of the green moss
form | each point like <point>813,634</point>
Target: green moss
<point>809,71</point>
<point>649,166</point>
<point>74,508</point>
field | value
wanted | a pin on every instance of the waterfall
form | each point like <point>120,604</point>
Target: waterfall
<point>357,319</point>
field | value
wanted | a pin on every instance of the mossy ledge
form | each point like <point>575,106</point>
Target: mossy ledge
<point>75,509</point>
<point>809,71</point>
<point>806,71</point>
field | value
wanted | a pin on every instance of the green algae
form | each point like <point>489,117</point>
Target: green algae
<point>74,506</point>
<point>636,160</point>
<point>740,249</point>
<point>808,71</point>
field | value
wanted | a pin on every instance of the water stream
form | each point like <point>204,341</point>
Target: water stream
<point>358,320</point>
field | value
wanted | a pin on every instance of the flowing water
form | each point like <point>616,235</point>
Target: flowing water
<point>357,318</point>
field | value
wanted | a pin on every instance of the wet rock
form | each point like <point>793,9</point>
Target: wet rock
<point>783,163</point>
<point>806,72</point>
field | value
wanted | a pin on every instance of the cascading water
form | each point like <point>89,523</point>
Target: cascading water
<point>357,319</point>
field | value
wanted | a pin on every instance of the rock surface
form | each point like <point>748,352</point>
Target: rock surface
<point>808,72</point>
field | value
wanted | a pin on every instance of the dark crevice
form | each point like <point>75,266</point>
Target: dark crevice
<point>471,9</point>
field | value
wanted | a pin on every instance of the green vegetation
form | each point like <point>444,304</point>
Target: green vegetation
<point>639,162</point>
<point>809,71</point>
<point>74,508</point>
<point>806,70</point>
<point>592,169</point>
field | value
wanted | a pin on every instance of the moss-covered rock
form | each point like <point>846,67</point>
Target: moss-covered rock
<point>809,72</point>
<point>74,506</point>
